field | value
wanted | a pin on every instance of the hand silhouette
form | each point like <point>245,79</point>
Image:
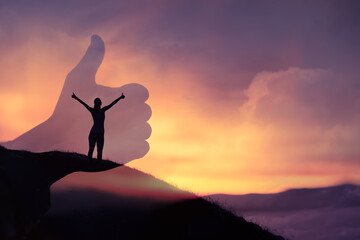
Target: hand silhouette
<point>126,127</point>
<point>74,96</point>
<point>122,96</point>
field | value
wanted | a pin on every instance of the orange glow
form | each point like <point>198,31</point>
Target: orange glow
<point>228,153</point>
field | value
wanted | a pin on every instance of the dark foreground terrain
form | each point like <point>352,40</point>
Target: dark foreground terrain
<point>81,213</point>
<point>88,214</point>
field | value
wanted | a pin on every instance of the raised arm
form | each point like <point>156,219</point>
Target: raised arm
<point>80,101</point>
<point>114,102</point>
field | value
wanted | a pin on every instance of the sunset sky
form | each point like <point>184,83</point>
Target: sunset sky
<point>246,96</point>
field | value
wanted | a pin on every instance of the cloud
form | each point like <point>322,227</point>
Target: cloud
<point>305,113</point>
<point>303,96</point>
<point>214,39</point>
<point>318,224</point>
<point>202,57</point>
<point>221,45</point>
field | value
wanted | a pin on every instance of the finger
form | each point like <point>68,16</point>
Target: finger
<point>135,92</point>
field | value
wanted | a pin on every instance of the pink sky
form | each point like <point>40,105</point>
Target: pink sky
<point>245,96</point>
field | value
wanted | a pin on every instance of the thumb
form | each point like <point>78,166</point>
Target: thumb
<point>84,72</point>
<point>86,69</point>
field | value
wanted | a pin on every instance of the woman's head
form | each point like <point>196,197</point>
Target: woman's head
<point>97,103</point>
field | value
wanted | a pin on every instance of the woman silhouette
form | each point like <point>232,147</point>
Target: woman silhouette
<point>97,131</point>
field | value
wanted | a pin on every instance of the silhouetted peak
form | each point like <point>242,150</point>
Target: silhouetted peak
<point>25,183</point>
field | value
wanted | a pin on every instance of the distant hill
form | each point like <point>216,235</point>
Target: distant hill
<point>346,195</point>
<point>123,181</point>
<point>92,213</point>
<point>329,213</point>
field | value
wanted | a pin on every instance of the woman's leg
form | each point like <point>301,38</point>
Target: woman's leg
<point>92,141</point>
<point>100,146</point>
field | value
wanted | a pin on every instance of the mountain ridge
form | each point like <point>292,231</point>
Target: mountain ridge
<point>344,195</point>
<point>25,202</point>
